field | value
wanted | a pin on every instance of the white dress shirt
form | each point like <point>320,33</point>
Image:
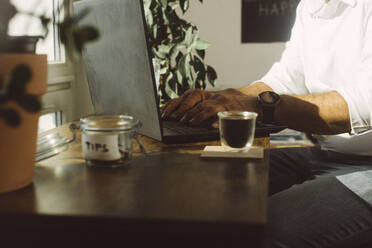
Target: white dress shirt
<point>331,50</point>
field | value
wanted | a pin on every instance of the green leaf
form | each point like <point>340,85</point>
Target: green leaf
<point>184,5</point>
<point>188,37</point>
<point>147,4</point>
<point>168,89</point>
<point>158,54</point>
<point>201,53</point>
<point>155,30</point>
<point>165,17</point>
<point>164,3</point>
<point>164,70</point>
<point>199,68</point>
<point>174,53</point>
<point>165,49</point>
<point>179,57</point>
<point>179,77</point>
<point>162,51</point>
<point>173,5</point>
<point>202,84</point>
<point>184,66</point>
<point>193,42</point>
<point>201,44</point>
<point>149,19</point>
<point>191,83</point>
<point>212,75</point>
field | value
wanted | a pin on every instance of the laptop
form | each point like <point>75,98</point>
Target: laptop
<point>120,72</point>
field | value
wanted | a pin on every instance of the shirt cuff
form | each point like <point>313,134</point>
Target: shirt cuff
<point>358,110</point>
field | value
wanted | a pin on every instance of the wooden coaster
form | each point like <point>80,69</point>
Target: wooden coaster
<point>227,152</point>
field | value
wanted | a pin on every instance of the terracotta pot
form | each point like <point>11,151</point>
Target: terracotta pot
<point>18,144</point>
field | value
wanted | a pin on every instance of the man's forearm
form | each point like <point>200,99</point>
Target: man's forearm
<point>325,113</point>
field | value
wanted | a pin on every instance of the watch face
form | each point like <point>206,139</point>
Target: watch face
<point>269,97</point>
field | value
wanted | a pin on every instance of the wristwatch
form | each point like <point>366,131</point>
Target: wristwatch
<point>268,100</point>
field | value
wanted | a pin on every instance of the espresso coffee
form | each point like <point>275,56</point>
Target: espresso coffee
<point>237,132</point>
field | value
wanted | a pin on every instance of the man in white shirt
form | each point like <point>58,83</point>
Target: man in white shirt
<point>322,85</point>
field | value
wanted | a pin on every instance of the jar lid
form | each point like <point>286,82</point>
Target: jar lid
<point>108,123</point>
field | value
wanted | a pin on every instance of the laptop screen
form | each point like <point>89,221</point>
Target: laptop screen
<point>118,67</point>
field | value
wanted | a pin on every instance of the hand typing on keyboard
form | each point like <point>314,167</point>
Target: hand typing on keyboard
<point>197,106</point>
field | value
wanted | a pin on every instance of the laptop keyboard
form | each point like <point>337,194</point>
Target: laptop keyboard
<point>184,129</point>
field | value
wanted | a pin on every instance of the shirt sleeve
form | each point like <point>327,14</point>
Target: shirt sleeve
<point>287,75</point>
<point>358,94</point>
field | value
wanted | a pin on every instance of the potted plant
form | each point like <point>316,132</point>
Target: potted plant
<point>23,81</point>
<point>177,50</point>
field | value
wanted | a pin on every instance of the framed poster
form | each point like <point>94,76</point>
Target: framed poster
<point>267,20</point>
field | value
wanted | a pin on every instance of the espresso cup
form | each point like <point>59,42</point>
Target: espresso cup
<point>237,129</point>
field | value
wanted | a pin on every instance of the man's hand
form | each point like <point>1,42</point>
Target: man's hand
<point>196,106</point>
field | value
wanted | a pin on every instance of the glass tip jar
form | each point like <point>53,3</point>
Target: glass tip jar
<point>106,140</point>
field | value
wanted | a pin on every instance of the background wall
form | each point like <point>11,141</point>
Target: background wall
<point>237,64</point>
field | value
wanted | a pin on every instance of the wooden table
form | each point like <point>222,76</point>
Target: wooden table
<point>169,197</point>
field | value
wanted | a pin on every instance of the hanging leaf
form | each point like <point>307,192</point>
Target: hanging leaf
<point>212,75</point>
<point>201,44</point>
<point>188,37</point>
<point>179,57</point>
<point>173,5</point>
<point>165,17</point>
<point>165,48</point>
<point>155,30</point>
<point>168,89</point>
<point>158,54</point>
<point>149,19</point>
<point>184,5</point>
<point>10,116</point>
<point>29,102</point>
<point>164,3</point>
<point>201,53</point>
<point>179,77</point>
<point>19,77</point>
<point>184,66</point>
<point>163,51</point>
<point>199,68</point>
<point>174,53</point>
<point>147,4</point>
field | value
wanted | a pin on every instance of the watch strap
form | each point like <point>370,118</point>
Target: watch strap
<point>268,101</point>
<point>268,114</point>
